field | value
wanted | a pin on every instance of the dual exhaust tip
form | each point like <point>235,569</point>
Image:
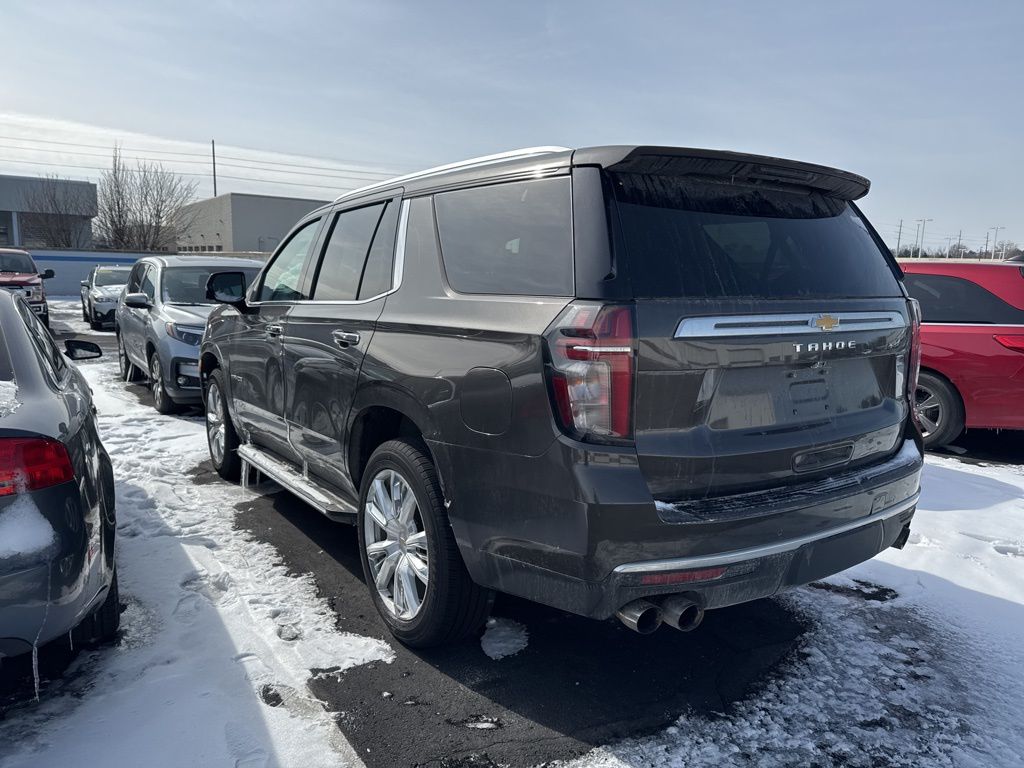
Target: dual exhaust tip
<point>682,612</point>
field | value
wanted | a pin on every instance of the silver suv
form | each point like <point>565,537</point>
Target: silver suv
<point>160,319</point>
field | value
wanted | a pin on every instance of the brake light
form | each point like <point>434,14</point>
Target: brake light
<point>592,349</point>
<point>32,463</point>
<point>914,366</point>
<point>1016,343</point>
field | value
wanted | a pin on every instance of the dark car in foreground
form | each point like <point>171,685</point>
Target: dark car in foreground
<point>57,570</point>
<point>972,345</point>
<point>20,275</point>
<point>632,381</point>
<point>100,292</point>
<point>159,322</point>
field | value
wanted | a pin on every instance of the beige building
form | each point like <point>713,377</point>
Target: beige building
<point>240,222</point>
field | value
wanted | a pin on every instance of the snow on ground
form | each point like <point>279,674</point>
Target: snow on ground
<point>503,637</point>
<point>915,658</point>
<point>213,625</point>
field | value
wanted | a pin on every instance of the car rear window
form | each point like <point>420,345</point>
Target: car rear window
<point>946,299</point>
<point>702,239</point>
<point>513,239</point>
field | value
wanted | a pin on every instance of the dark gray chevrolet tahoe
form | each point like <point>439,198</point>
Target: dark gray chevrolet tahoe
<point>633,381</point>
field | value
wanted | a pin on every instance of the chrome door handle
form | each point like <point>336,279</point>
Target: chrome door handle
<point>345,338</point>
<point>274,330</point>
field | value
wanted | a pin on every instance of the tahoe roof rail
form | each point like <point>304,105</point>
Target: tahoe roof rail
<point>462,164</point>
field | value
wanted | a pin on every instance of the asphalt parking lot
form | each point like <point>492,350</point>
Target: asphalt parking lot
<point>577,684</point>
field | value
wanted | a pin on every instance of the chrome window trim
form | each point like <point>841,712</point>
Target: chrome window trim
<point>785,324</point>
<point>397,270</point>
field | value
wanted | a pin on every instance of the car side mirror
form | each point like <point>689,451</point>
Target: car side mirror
<point>85,283</point>
<point>137,301</point>
<point>46,274</point>
<point>226,288</point>
<point>77,349</point>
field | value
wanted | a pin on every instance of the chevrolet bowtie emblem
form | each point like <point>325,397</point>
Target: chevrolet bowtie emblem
<point>826,322</point>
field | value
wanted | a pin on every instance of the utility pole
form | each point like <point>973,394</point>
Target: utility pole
<point>959,235</point>
<point>213,153</point>
<point>920,248</point>
<point>899,234</point>
<point>949,244</point>
<point>995,240</point>
<point>985,250</point>
<point>917,231</point>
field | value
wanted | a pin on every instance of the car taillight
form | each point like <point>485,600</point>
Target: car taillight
<point>1016,343</point>
<point>32,463</point>
<point>592,351</point>
<point>914,365</point>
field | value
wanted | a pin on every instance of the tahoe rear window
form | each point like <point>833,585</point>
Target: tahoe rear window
<point>513,239</point>
<point>702,239</point>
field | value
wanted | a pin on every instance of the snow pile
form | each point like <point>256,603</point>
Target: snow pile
<point>931,673</point>
<point>26,537</point>
<point>503,637</point>
<point>9,401</point>
<point>218,640</point>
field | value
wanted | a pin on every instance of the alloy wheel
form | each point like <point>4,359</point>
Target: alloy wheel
<point>396,544</point>
<point>215,423</point>
<point>156,380</point>
<point>929,411</point>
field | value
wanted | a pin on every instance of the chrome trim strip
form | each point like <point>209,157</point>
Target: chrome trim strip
<point>474,162</point>
<point>723,326</point>
<point>766,550</point>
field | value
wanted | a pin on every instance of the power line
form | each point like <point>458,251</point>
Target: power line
<point>187,173</point>
<point>378,177</point>
<point>339,166</point>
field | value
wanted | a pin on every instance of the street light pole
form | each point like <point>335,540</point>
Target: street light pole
<point>920,248</point>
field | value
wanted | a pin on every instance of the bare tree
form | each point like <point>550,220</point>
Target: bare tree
<point>58,213</point>
<point>140,206</point>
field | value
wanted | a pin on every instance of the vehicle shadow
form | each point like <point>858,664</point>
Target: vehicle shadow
<point>146,698</point>
<point>981,446</point>
<point>577,684</point>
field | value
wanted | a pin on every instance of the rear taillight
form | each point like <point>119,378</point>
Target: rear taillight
<point>592,353</point>
<point>914,366</point>
<point>32,463</point>
<point>1016,343</point>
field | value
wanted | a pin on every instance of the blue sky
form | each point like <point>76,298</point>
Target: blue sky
<point>924,98</point>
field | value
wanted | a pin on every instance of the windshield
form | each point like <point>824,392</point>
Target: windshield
<point>688,238</point>
<point>108,277</point>
<point>187,285</point>
<point>17,262</point>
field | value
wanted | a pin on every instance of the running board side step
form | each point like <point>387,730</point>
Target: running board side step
<point>287,476</point>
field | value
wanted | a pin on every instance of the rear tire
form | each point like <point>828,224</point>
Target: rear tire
<point>451,606</point>
<point>940,411</point>
<point>101,626</point>
<point>221,437</point>
<point>129,372</point>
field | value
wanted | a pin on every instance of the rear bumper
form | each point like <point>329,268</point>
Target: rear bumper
<point>593,546</point>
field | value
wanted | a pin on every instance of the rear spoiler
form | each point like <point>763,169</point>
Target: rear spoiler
<point>754,170</point>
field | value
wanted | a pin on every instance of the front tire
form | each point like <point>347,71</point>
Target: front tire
<point>413,569</point>
<point>161,400</point>
<point>221,436</point>
<point>939,410</point>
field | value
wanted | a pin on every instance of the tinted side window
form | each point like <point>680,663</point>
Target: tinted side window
<point>341,267</point>
<point>135,279</point>
<point>687,238</point>
<point>955,300</point>
<point>148,285</point>
<point>380,263</point>
<point>281,279</point>
<point>50,357</point>
<point>508,238</point>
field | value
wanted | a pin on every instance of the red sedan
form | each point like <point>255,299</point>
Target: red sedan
<point>972,351</point>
